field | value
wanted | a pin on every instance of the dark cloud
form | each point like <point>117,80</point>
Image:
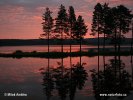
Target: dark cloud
<point>25,2</point>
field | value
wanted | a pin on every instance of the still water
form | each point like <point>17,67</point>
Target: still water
<point>24,76</point>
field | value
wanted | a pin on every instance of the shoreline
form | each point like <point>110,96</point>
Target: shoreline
<point>91,53</point>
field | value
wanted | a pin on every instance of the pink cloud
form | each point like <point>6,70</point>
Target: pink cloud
<point>37,18</point>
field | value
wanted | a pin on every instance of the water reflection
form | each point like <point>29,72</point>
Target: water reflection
<point>113,79</point>
<point>132,65</point>
<point>64,80</point>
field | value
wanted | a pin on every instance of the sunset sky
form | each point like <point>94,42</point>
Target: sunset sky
<point>21,19</point>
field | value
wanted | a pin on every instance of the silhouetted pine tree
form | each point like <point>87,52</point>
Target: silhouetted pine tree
<point>47,29</point>
<point>71,22</point>
<point>97,23</point>
<point>80,30</point>
<point>132,51</point>
<point>47,25</point>
<point>106,28</point>
<point>61,25</point>
<point>123,21</point>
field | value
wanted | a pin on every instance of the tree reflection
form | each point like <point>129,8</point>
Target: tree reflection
<point>65,81</point>
<point>114,79</point>
<point>61,78</point>
<point>48,82</point>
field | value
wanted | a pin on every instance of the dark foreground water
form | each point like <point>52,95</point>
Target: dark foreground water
<point>31,76</point>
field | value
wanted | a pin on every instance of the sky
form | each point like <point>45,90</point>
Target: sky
<point>21,19</point>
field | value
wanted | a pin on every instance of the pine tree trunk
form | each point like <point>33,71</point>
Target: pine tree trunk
<point>48,52</point>
<point>115,52</point>
<point>131,44</point>
<point>132,53</point>
<point>48,98</point>
<point>98,56</point>
<point>98,53</point>
<point>119,50</point>
<point>70,53</point>
<point>104,52</point>
<point>70,47</point>
<point>62,52</point>
<point>80,50</point>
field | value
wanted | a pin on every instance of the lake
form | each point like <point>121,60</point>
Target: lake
<point>23,76</point>
<point>26,75</point>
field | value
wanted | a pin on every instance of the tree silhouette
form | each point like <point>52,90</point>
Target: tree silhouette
<point>47,24</point>
<point>71,22</point>
<point>106,25</point>
<point>47,29</point>
<point>122,19</point>
<point>80,30</point>
<point>97,23</point>
<point>97,20</point>
<point>61,25</point>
